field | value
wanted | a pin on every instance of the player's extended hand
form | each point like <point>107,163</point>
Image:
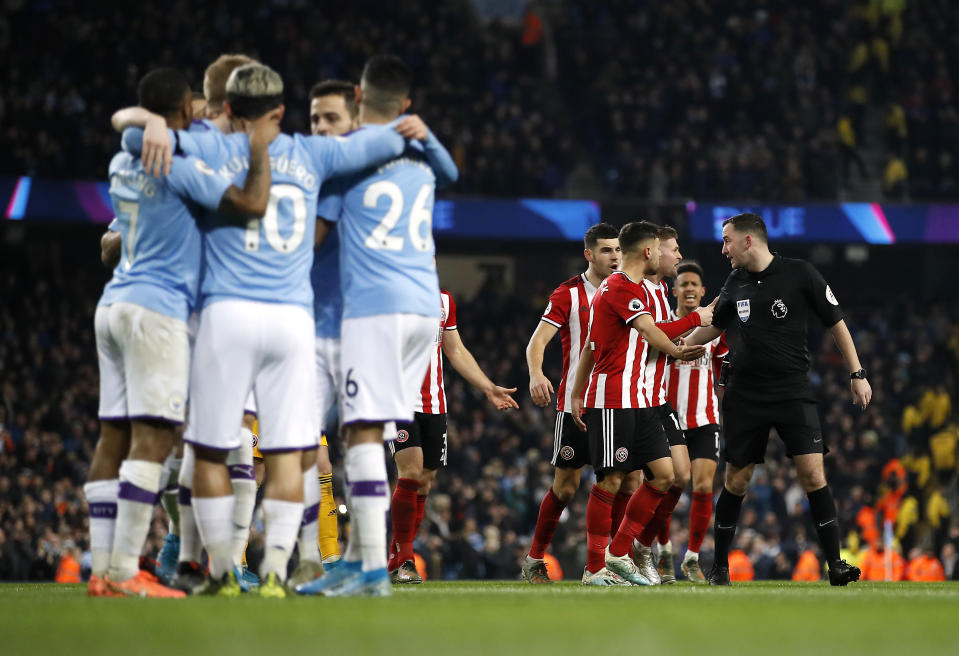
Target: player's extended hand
<point>500,397</point>
<point>687,353</point>
<point>706,313</point>
<point>412,127</point>
<point>577,411</point>
<point>157,155</point>
<point>540,390</point>
<point>861,392</point>
<point>265,129</point>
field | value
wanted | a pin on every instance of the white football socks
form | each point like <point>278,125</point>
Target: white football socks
<point>309,533</point>
<point>214,520</point>
<point>366,470</point>
<point>190,545</point>
<point>101,499</point>
<point>240,464</point>
<point>282,521</point>
<point>138,493</point>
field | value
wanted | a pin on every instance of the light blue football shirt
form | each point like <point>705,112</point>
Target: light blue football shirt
<point>325,275</point>
<point>269,259</point>
<point>160,263</point>
<point>386,238</point>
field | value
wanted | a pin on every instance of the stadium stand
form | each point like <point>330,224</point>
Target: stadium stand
<point>689,99</point>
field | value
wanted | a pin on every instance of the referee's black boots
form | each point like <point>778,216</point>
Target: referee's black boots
<point>718,575</point>
<point>841,573</point>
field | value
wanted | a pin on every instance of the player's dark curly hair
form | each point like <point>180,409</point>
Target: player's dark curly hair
<point>689,266</point>
<point>635,233</point>
<point>163,90</point>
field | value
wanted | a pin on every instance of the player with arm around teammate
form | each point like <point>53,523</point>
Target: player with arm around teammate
<point>141,331</point>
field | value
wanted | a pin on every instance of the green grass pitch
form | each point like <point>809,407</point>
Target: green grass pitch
<point>495,619</point>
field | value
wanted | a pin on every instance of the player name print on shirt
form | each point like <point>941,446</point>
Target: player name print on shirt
<point>742,307</point>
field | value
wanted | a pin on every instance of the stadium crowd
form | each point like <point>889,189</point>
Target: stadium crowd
<point>677,100</point>
<point>898,460</point>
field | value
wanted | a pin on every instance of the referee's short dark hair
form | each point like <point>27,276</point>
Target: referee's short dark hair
<point>597,232</point>
<point>749,223</point>
<point>691,266</point>
<point>635,233</point>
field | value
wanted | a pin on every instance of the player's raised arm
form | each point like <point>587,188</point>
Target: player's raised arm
<point>157,144</point>
<point>466,365</point>
<point>540,389</point>
<point>111,248</point>
<point>374,144</point>
<point>252,199</point>
<point>413,127</point>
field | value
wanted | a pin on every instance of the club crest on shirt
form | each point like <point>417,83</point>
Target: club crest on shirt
<point>742,307</point>
<point>830,296</point>
<point>402,436</point>
<point>567,453</point>
<point>779,309</point>
<point>621,454</point>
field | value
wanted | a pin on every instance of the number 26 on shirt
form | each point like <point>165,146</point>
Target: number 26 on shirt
<point>381,238</point>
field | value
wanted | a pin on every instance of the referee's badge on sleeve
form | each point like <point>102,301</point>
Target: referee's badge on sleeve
<point>742,307</point>
<point>830,296</point>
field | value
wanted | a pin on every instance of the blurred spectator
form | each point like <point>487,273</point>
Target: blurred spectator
<point>894,177</point>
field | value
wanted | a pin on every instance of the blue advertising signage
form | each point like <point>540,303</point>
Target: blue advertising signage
<point>870,223</point>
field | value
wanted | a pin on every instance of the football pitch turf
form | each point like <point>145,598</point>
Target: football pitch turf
<point>495,618</point>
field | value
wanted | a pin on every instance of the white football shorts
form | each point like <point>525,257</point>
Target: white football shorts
<point>264,347</point>
<point>327,378</point>
<point>383,362</point>
<point>144,359</point>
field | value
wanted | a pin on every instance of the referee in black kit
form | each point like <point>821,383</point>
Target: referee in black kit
<point>764,307</point>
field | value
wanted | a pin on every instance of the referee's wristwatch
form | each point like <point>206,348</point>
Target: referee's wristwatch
<point>858,375</point>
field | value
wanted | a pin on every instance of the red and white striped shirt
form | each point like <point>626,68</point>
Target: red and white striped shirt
<point>691,390</point>
<point>568,310</point>
<point>653,387</point>
<point>617,347</point>
<point>432,400</point>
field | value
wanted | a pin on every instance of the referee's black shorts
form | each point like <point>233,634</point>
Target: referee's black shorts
<point>746,427</point>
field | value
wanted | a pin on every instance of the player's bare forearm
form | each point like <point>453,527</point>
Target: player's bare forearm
<point>467,366</point>
<point>540,388</point>
<point>130,117</point>
<point>252,199</point>
<point>111,248</point>
<point>659,340</point>
<point>843,339</point>
<point>583,369</point>
<point>703,335</point>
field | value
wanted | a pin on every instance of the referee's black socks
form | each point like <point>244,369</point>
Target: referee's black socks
<point>724,528</point>
<point>823,509</point>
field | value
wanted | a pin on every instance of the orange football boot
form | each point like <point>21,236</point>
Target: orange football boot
<point>143,584</point>
<point>97,587</point>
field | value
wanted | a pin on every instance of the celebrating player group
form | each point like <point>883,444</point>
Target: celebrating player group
<point>261,280</point>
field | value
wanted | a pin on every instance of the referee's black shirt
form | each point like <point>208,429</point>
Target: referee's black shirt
<point>765,317</point>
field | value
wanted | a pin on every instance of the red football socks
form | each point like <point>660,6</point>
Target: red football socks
<point>599,517</point>
<point>639,511</point>
<point>547,521</point>
<point>619,509</point>
<point>403,516</point>
<point>700,512</point>
<point>660,521</point>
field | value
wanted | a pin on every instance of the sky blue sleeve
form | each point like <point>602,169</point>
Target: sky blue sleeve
<point>367,147</point>
<point>330,202</point>
<point>209,146</point>
<point>440,159</point>
<point>190,178</point>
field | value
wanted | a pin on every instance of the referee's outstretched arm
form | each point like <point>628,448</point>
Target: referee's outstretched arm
<point>861,390</point>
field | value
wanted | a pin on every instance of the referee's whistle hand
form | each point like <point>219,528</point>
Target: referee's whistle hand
<point>861,392</point>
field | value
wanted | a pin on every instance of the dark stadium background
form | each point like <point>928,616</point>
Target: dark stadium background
<point>640,106</point>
